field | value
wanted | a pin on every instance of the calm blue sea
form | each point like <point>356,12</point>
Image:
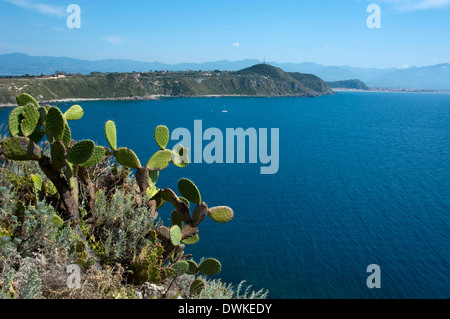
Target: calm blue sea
<point>364,178</point>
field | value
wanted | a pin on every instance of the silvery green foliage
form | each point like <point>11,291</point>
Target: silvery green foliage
<point>6,277</point>
<point>33,285</point>
<point>216,289</point>
<point>39,228</point>
<point>249,293</point>
<point>123,225</point>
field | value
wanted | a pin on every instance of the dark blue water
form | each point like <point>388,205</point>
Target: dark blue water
<point>363,179</point>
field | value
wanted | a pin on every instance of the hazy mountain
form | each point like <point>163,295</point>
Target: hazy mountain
<point>21,64</point>
<point>426,77</point>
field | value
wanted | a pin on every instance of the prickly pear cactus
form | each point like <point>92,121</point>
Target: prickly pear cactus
<point>197,286</point>
<point>153,177</point>
<point>180,268</point>
<point>180,156</point>
<point>176,218</point>
<point>24,99</point>
<point>189,190</point>
<point>67,137</point>
<point>111,134</point>
<point>162,136</point>
<point>25,125</point>
<point>55,123</point>
<point>191,240</point>
<point>20,148</point>
<point>37,135</point>
<point>97,156</point>
<point>175,235</point>
<point>43,114</point>
<point>75,112</point>
<point>159,160</point>
<point>15,117</point>
<point>57,151</point>
<point>193,267</point>
<point>142,178</point>
<point>184,200</point>
<point>221,214</point>
<point>127,157</point>
<point>30,119</point>
<point>80,152</point>
<point>210,267</point>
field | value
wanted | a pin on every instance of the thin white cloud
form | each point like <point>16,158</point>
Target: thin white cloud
<point>42,8</point>
<point>413,5</point>
<point>114,40</point>
<point>236,44</point>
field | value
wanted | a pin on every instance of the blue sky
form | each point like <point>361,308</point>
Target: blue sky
<point>331,32</point>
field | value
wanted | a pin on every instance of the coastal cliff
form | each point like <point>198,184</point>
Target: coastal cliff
<point>258,80</point>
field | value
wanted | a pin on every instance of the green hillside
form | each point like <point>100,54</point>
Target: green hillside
<point>348,84</point>
<point>258,80</point>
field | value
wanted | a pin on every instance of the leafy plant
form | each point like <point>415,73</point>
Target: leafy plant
<point>98,213</point>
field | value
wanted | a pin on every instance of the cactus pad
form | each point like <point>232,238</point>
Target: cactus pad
<point>210,267</point>
<point>142,178</point>
<point>162,136</point>
<point>191,240</point>
<point>127,157</point>
<point>96,157</point>
<point>67,137</point>
<point>74,113</point>
<point>55,123</point>
<point>20,149</point>
<point>153,177</point>
<point>37,135</point>
<point>15,117</point>
<point>180,267</point>
<point>176,218</point>
<point>221,214</point>
<point>43,114</point>
<point>175,235</point>
<point>197,286</point>
<point>81,152</point>
<point>184,200</point>
<point>152,191</point>
<point>30,119</point>
<point>111,134</point>
<point>180,156</point>
<point>189,191</point>
<point>24,98</point>
<point>57,151</point>
<point>193,267</point>
<point>159,160</point>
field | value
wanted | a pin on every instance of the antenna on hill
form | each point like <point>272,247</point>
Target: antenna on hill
<point>264,61</point>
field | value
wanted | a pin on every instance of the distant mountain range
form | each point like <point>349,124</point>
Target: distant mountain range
<point>426,77</point>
